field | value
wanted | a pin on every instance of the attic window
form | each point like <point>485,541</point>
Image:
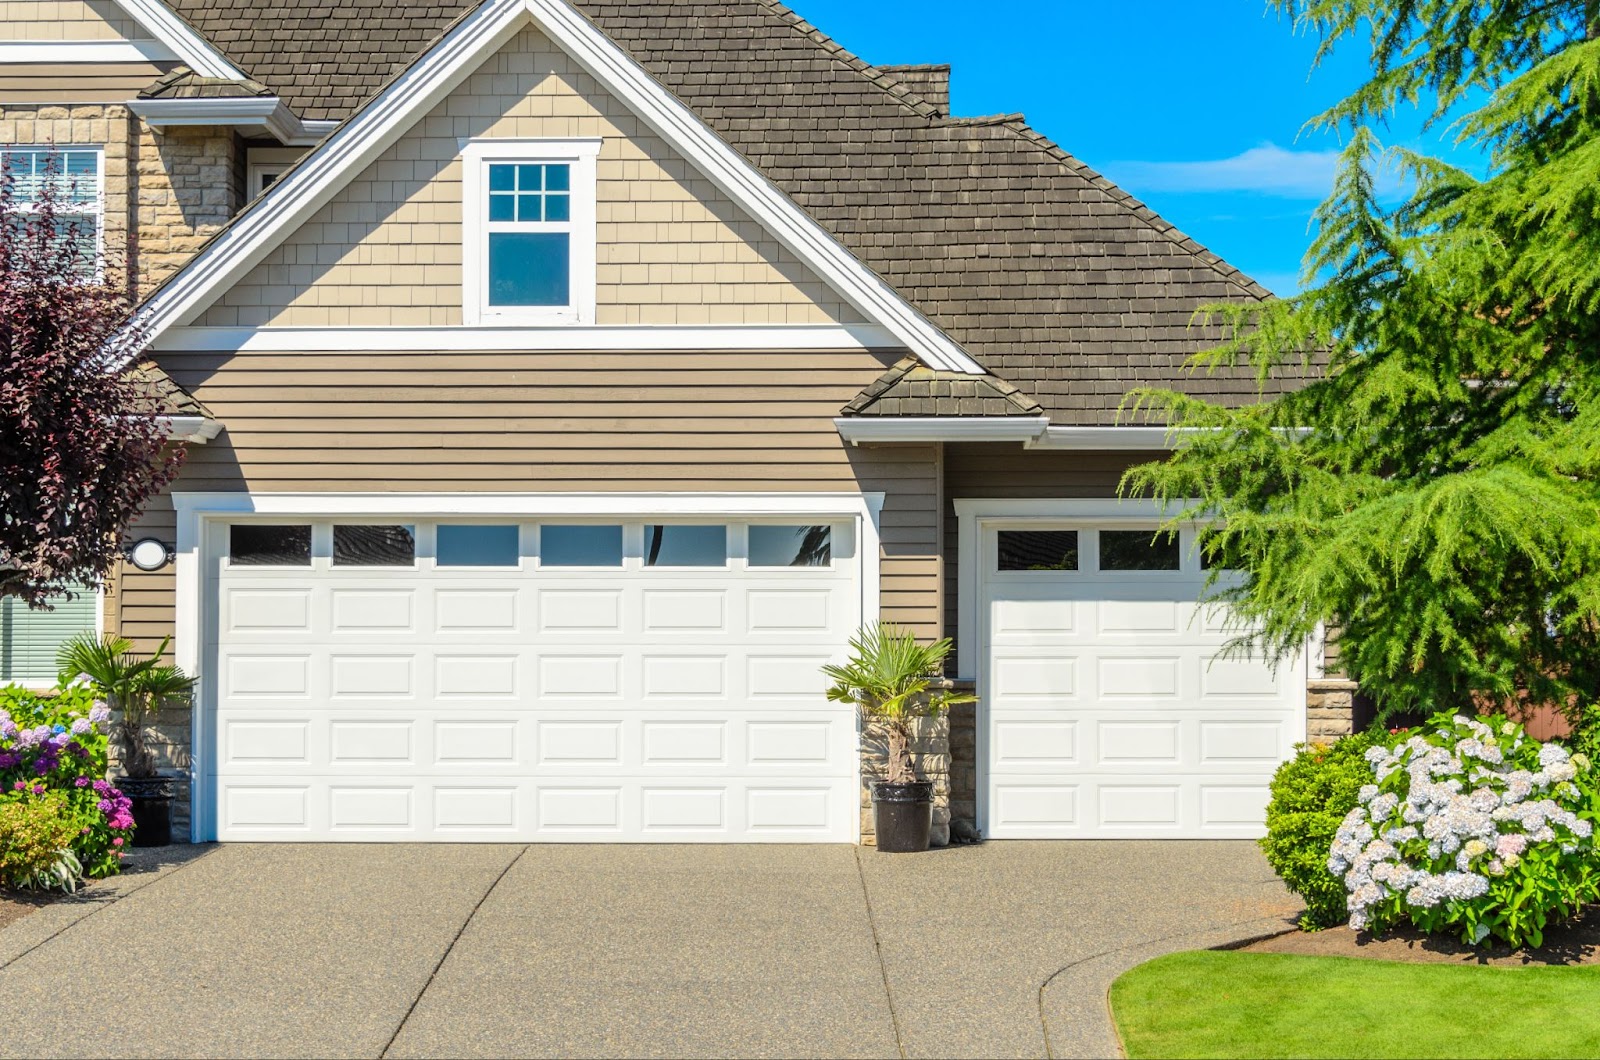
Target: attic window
<point>528,220</point>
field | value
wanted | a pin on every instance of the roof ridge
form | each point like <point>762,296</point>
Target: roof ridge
<point>984,119</point>
<point>905,95</point>
<point>1137,208</point>
<point>881,385</point>
<point>911,371</point>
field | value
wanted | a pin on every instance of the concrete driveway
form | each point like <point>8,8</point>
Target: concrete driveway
<point>1000,950</point>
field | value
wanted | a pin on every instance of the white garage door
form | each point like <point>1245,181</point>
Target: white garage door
<point>1110,714</point>
<point>565,681</point>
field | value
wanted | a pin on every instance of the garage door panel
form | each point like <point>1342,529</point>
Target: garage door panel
<point>561,705</point>
<point>1111,713</point>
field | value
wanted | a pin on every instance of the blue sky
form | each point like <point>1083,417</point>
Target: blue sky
<point>1195,106</point>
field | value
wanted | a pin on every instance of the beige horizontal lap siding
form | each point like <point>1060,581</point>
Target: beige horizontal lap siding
<point>671,249</point>
<point>58,20</point>
<point>39,83</point>
<point>551,422</point>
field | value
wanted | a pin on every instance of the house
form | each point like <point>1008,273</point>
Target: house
<point>565,382</point>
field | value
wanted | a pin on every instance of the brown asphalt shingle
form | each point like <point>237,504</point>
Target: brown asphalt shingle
<point>911,388</point>
<point>1046,272</point>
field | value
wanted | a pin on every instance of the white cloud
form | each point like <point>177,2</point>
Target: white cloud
<point>1266,169</point>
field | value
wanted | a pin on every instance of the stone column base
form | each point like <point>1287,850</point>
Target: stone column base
<point>1330,709</point>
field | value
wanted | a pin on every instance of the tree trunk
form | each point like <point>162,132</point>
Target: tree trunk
<point>901,769</point>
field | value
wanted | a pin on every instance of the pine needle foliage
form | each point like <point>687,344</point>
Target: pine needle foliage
<point>1434,493</point>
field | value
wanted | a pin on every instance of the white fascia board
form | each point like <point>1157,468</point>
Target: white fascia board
<point>84,51</point>
<point>859,430</point>
<point>197,430</point>
<point>1146,438</point>
<point>526,505</point>
<point>265,112</point>
<point>444,339</point>
<point>172,31</point>
<point>293,199</point>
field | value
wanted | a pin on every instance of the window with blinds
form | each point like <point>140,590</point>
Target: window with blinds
<point>29,639</point>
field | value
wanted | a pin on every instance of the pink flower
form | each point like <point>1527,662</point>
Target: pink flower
<point>117,842</point>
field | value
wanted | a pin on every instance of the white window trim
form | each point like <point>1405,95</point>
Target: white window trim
<point>97,205</point>
<point>36,685</point>
<point>195,569</point>
<point>268,161</point>
<point>476,156</point>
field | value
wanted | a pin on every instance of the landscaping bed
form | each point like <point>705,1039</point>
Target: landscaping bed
<point>1262,1004</point>
<point>14,905</point>
<point>1574,943</point>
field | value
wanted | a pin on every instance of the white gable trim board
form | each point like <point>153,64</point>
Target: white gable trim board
<point>353,704</point>
<point>292,200</point>
<point>1107,708</point>
<point>446,338</point>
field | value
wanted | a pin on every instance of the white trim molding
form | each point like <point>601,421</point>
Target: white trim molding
<point>195,570</point>
<point>197,430</point>
<point>266,113</point>
<point>860,430</point>
<point>57,52</point>
<point>444,339</point>
<point>197,52</point>
<point>291,201</point>
<point>1112,438</point>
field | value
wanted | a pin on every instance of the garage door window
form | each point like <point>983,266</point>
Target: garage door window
<point>1133,550</point>
<point>374,546</point>
<point>472,545</point>
<point>1038,550</point>
<point>580,545</point>
<point>257,545</point>
<point>791,546</point>
<point>686,545</point>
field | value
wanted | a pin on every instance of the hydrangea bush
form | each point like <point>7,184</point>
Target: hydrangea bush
<point>53,752</point>
<point>1472,827</point>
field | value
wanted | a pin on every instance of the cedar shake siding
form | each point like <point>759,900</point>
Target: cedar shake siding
<point>671,249</point>
<point>47,21</point>
<point>547,422</point>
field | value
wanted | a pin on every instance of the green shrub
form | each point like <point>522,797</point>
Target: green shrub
<point>36,836</point>
<point>1311,795</point>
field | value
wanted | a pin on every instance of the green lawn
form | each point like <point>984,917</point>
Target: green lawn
<point>1269,1004</point>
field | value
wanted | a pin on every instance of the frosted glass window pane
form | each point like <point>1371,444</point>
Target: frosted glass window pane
<point>472,545</point>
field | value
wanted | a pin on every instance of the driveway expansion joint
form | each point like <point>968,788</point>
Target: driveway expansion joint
<point>100,905</point>
<point>434,974</point>
<point>877,949</point>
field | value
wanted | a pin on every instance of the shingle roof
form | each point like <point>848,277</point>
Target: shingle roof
<point>911,388</point>
<point>167,397</point>
<point>183,83</point>
<point>1046,272</point>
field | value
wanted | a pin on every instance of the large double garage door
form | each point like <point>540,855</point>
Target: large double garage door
<point>1112,710</point>
<point>491,680</point>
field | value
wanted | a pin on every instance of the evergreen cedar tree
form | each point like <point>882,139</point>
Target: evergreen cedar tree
<point>81,446</point>
<point>1433,495</point>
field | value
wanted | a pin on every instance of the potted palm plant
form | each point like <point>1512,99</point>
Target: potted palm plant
<point>892,678</point>
<point>136,688</point>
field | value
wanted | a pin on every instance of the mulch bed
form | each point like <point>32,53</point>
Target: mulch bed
<point>1577,942</point>
<point>15,905</point>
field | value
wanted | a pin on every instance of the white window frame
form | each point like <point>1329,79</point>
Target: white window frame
<point>268,162</point>
<point>476,157</point>
<point>96,205</point>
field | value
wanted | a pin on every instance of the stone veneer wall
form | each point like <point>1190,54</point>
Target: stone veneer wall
<point>930,747</point>
<point>166,193</point>
<point>1330,709</point>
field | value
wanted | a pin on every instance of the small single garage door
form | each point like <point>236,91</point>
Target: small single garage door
<point>1110,714</point>
<point>577,680</point>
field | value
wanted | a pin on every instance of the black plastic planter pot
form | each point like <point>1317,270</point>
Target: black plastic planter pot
<point>152,809</point>
<point>902,816</point>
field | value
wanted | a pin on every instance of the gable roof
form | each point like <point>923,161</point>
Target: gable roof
<point>293,198</point>
<point>1039,267</point>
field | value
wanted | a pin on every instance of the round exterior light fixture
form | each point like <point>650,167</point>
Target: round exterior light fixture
<point>149,554</point>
